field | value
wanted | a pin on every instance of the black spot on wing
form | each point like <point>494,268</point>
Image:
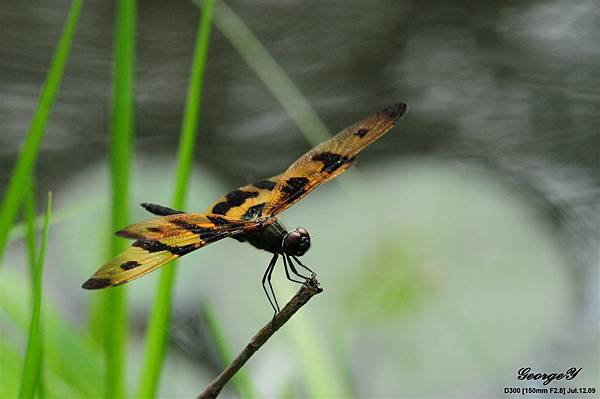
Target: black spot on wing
<point>135,236</point>
<point>157,246</point>
<point>159,209</point>
<point>295,185</point>
<point>331,161</point>
<point>254,211</point>
<point>361,133</point>
<point>265,185</point>
<point>205,233</point>
<point>218,221</point>
<point>151,245</point>
<point>221,208</point>
<point>233,199</point>
<point>96,283</point>
<point>130,264</point>
<point>237,197</point>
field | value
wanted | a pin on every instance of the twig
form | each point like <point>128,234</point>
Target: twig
<point>308,290</point>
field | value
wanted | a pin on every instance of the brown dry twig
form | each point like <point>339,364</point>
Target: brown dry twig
<point>309,289</point>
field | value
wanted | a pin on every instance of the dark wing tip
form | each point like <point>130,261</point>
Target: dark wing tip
<point>97,283</point>
<point>159,210</point>
<point>394,111</point>
<point>126,234</point>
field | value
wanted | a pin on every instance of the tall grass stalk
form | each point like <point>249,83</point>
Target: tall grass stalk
<point>319,369</point>
<point>156,339</point>
<point>33,356</point>
<point>121,134</point>
<point>29,217</point>
<point>278,82</point>
<point>22,172</point>
<point>271,74</point>
<point>241,381</point>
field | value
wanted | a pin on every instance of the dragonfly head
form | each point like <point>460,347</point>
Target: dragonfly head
<point>296,242</point>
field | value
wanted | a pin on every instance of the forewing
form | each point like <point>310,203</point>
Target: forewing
<point>330,158</point>
<point>161,240</point>
<point>246,202</point>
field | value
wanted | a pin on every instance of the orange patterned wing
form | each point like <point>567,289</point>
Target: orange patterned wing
<point>246,202</point>
<point>330,158</point>
<point>163,239</point>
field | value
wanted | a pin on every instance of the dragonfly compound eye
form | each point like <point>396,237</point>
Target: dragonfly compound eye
<point>296,242</point>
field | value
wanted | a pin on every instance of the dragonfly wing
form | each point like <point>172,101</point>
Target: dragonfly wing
<point>162,240</point>
<point>330,158</point>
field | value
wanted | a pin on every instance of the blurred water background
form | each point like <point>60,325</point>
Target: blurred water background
<point>464,247</point>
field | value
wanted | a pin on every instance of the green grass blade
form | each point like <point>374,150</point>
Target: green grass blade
<point>122,128</point>
<point>321,377</point>
<point>29,218</point>
<point>240,381</point>
<point>191,114</point>
<point>25,162</point>
<point>278,82</point>
<point>33,356</point>
<point>156,339</point>
<point>271,74</point>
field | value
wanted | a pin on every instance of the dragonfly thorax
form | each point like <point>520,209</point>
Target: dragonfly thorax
<point>276,239</point>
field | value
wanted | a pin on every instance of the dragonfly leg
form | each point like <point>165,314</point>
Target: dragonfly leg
<point>293,268</point>
<point>304,266</point>
<point>287,272</point>
<point>267,280</point>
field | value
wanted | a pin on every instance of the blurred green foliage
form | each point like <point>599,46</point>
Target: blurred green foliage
<point>395,281</point>
<point>412,293</point>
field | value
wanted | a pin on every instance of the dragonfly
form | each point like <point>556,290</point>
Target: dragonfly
<point>247,214</point>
